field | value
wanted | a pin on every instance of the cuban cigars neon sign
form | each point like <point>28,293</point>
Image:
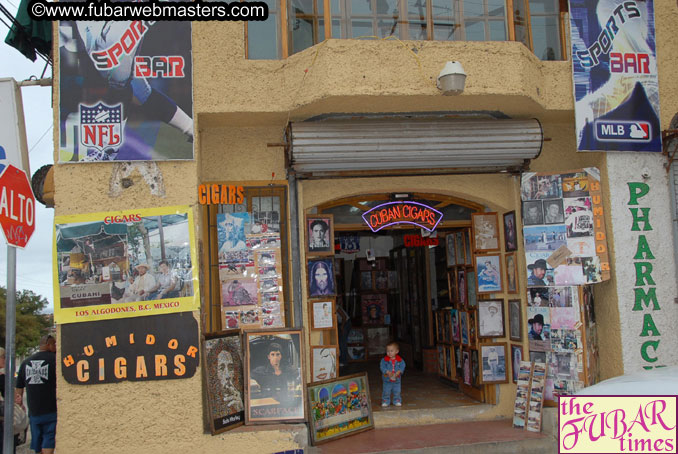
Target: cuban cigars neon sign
<point>402,212</point>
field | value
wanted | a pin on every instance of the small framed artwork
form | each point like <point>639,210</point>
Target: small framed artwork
<point>466,367</point>
<point>490,318</point>
<point>485,232</point>
<point>377,338</point>
<point>450,251</point>
<point>516,358</point>
<point>273,376</point>
<point>459,238</point>
<point>533,212</point>
<point>475,369</point>
<point>515,321</point>
<point>323,314</point>
<point>356,353</point>
<point>381,280</point>
<point>224,376</point>
<point>454,325</point>
<point>472,332</point>
<point>452,285</point>
<point>441,360</point>
<point>449,370</point>
<point>488,273</point>
<point>324,362</point>
<point>511,273</point>
<point>320,234</point>
<point>463,322</point>
<point>467,247</point>
<point>461,287</point>
<point>321,278</point>
<point>366,280</point>
<point>373,308</point>
<point>510,232</point>
<point>339,407</point>
<point>493,368</point>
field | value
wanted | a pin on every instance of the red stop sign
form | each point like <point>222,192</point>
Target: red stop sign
<point>17,207</point>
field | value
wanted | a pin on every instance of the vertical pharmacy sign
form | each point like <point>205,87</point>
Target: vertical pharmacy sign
<point>614,67</point>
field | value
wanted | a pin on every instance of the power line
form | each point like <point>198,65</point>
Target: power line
<point>41,137</point>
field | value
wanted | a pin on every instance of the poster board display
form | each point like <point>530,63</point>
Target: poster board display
<point>110,264</point>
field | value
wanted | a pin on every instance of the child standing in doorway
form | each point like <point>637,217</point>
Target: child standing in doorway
<point>392,367</point>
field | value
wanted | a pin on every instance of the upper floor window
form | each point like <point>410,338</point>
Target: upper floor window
<point>536,23</point>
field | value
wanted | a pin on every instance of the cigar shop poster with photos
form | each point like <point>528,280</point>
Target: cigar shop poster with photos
<point>121,264</point>
<point>250,272</point>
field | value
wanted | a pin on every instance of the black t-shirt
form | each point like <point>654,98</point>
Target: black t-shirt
<point>38,375</point>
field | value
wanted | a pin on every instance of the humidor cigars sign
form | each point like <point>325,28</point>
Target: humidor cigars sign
<point>402,212</point>
<point>157,347</point>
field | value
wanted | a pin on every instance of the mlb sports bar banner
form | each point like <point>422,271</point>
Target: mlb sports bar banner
<point>122,264</point>
<point>125,91</point>
<point>615,75</point>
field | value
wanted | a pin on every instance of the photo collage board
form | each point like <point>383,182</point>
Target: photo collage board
<point>250,271</point>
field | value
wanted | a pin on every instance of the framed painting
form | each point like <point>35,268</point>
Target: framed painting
<point>463,323</point>
<point>510,232</point>
<point>516,358</point>
<point>366,280</point>
<point>511,273</point>
<point>273,376</point>
<point>488,273</point>
<point>493,368</point>
<point>374,308</point>
<point>319,234</point>
<point>485,232</point>
<point>323,314</point>
<point>515,321</point>
<point>490,318</point>
<point>224,377</point>
<point>338,408</point>
<point>450,250</point>
<point>320,275</point>
<point>324,362</point>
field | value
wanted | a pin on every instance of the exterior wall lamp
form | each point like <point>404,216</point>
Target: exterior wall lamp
<point>452,78</point>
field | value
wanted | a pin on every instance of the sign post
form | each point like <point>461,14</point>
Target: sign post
<point>17,217</point>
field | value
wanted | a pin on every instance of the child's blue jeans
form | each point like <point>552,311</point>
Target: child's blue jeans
<point>389,386</point>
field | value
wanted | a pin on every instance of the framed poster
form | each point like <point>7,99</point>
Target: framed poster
<point>339,407</point>
<point>273,376</point>
<point>224,377</point>
<point>510,232</point>
<point>321,278</point>
<point>515,321</point>
<point>485,232</point>
<point>319,234</point>
<point>373,308</point>
<point>511,273</point>
<point>488,273</point>
<point>491,318</point>
<point>494,368</point>
<point>323,314</point>
<point>450,250</point>
<point>324,362</point>
<point>516,358</point>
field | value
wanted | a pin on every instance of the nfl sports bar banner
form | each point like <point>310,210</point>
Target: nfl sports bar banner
<point>615,75</point>
<point>123,264</point>
<point>125,91</point>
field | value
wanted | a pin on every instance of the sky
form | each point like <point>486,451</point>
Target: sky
<point>34,263</point>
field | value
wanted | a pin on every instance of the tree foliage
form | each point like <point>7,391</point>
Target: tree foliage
<point>30,323</point>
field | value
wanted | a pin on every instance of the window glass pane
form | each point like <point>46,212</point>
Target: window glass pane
<point>387,27</point>
<point>495,7</point>
<point>321,30</point>
<point>546,38</point>
<point>520,22</point>
<point>361,7</point>
<point>497,30</point>
<point>443,31</point>
<point>337,30</point>
<point>543,6</point>
<point>417,30</point>
<point>335,6</point>
<point>475,30</point>
<point>416,7</point>
<point>262,39</point>
<point>473,8</point>
<point>361,28</point>
<point>302,34</point>
<point>302,7</point>
<point>320,6</point>
<point>443,8</point>
<point>387,7</point>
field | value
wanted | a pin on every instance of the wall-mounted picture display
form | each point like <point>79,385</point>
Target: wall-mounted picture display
<point>356,336</point>
<point>440,326</point>
<point>324,362</point>
<point>273,377</point>
<point>472,333</point>
<point>373,308</point>
<point>224,375</point>
<point>472,288</point>
<point>491,318</point>
<point>441,360</point>
<point>475,368</point>
<point>356,353</point>
<point>553,211</point>
<point>461,287</point>
<point>321,278</point>
<point>320,234</point>
<point>494,367</point>
<point>467,368</point>
<point>511,273</point>
<point>366,280</point>
<point>468,259</point>
<point>516,358</point>
<point>381,280</point>
<point>488,273</point>
<point>454,325</point>
<point>452,285</point>
<point>515,320</point>
<point>533,212</point>
<point>460,248</point>
<point>510,232</point>
<point>463,323</point>
<point>323,314</point>
<point>377,338</point>
<point>451,253</point>
<point>485,232</point>
<point>545,238</point>
<point>449,370</point>
<point>338,408</point>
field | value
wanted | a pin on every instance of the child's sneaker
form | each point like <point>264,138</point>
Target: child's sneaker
<point>384,404</point>
<point>398,404</point>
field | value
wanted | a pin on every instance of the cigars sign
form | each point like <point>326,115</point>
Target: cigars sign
<point>155,347</point>
<point>402,212</point>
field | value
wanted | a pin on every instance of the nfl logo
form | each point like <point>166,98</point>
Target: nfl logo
<point>101,126</point>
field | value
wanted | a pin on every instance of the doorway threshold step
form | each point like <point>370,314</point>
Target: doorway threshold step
<point>400,416</point>
<point>481,437</point>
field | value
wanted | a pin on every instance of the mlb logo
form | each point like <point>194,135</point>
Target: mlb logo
<point>639,131</point>
<point>101,126</point>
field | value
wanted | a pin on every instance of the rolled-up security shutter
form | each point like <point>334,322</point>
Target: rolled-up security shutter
<point>359,147</point>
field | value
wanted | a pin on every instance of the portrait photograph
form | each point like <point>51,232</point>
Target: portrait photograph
<point>553,211</point>
<point>324,362</point>
<point>493,368</point>
<point>491,318</point>
<point>533,212</point>
<point>510,232</point>
<point>274,376</point>
<point>323,314</point>
<point>485,232</point>
<point>450,251</point>
<point>516,358</point>
<point>488,273</point>
<point>320,235</point>
<point>321,278</point>
<point>515,320</point>
<point>224,375</point>
<point>549,187</point>
<point>373,308</point>
<point>511,273</point>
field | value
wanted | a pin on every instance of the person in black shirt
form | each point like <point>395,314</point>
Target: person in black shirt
<point>38,375</point>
